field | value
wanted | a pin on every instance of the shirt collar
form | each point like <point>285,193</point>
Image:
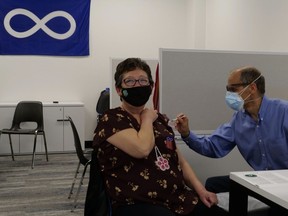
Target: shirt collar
<point>262,109</point>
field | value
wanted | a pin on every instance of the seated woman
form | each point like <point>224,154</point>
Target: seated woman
<point>143,171</point>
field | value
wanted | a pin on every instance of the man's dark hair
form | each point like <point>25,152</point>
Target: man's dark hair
<point>249,74</point>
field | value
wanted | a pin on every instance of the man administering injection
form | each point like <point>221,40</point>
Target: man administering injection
<point>259,128</point>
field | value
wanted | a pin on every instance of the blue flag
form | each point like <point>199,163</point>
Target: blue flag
<point>44,27</point>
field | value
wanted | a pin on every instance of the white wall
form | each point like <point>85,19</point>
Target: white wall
<point>118,29</point>
<point>248,25</point>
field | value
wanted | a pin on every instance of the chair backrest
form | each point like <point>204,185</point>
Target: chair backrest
<point>83,160</point>
<point>103,102</point>
<point>28,111</point>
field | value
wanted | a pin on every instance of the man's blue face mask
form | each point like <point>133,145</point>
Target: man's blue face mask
<point>234,101</point>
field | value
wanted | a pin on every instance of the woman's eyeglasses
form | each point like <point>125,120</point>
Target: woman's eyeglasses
<point>132,82</point>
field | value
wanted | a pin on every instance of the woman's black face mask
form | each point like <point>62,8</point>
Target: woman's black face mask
<point>136,96</point>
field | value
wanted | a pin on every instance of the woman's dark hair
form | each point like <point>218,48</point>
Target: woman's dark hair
<point>249,74</point>
<point>131,64</point>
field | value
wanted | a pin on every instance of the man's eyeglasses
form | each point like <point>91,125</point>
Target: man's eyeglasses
<point>132,82</point>
<point>233,87</point>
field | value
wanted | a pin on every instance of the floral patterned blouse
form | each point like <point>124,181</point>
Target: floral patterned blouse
<point>156,179</point>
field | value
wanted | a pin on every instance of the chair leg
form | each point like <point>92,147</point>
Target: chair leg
<point>74,180</point>
<point>11,147</point>
<point>34,150</point>
<point>45,145</point>
<point>80,184</point>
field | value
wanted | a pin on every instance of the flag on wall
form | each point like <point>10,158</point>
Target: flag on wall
<point>44,27</point>
<point>156,90</point>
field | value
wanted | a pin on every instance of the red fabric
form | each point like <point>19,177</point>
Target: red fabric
<point>156,90</point>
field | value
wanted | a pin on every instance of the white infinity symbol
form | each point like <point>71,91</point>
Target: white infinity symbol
<point>40,24</point>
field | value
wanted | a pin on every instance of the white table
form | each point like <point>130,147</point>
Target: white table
<point>270,187</point>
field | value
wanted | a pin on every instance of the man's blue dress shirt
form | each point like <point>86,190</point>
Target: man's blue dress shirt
<point>263,144</point>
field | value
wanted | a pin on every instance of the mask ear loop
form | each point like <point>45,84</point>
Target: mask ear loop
<point>247,87</point>
<point>241,92</point>
<point>256,79</point>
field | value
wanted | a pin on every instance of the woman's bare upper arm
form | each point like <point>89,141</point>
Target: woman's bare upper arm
<point>128,141</point>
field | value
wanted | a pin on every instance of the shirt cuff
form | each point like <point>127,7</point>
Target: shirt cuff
<point>186,137</point>
<point>190,138</point>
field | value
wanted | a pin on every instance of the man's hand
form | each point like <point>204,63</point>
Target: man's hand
<point>182,125</point>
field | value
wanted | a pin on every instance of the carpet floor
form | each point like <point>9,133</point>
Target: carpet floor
<point>43,190</point>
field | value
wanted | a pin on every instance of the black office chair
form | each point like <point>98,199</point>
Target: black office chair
<point>82,160</point>
<point>103,103</point>
<point>97,200</point>
<point>27,111</point>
